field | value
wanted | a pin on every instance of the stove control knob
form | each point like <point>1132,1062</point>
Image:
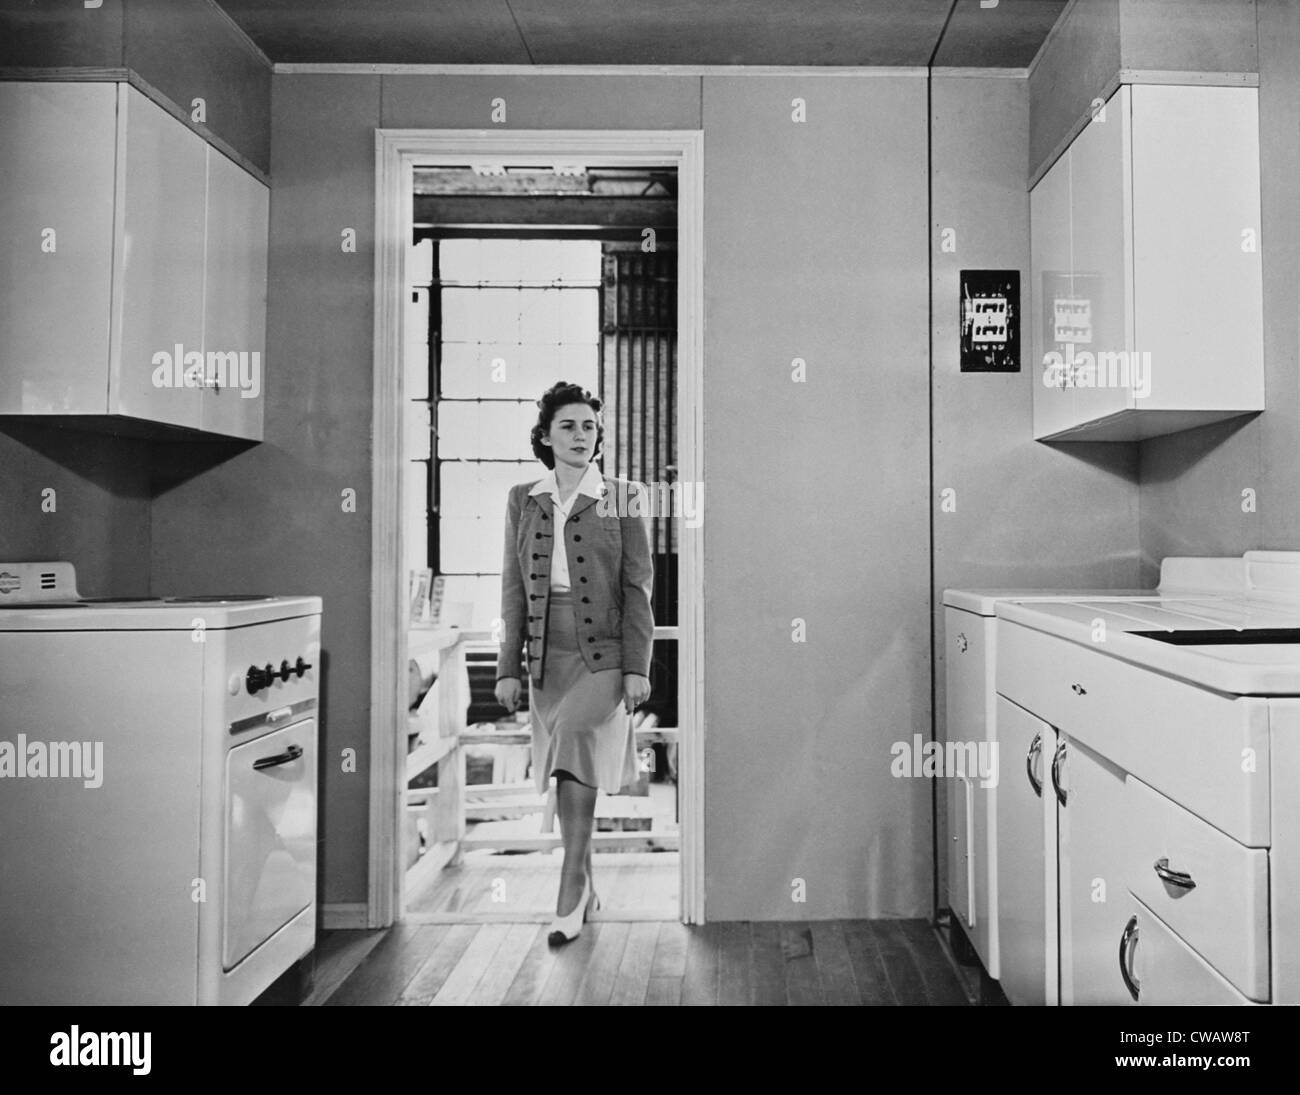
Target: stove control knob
<point>285,670</point>
<point>257,679</point>
<point>301,667</point>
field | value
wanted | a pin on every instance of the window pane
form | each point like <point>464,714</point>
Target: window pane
<point>482,595</point>
<point>539,315</point>
<point>499,262</point>
<point>416,345</point>
<point>417,439</point>
<point>579,316</point>
<point>419,263</point>
<point>415,512</point>
<point>458,260</point>
<point>484,431</point>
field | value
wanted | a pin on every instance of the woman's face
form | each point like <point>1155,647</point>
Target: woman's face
<point>573,435</point>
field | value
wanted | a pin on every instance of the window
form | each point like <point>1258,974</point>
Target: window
<point>494,322</point>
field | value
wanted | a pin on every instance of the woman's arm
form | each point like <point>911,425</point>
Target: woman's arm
<point>513,602</point>
<point>637,583</point>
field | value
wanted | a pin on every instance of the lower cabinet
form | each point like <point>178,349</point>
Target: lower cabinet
<point>1026,827</point>
<point>1092,895</point>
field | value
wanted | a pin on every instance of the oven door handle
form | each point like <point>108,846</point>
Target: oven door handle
<point>289,755</point>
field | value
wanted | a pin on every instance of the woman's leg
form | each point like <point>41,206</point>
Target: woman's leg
<point>576,809</point>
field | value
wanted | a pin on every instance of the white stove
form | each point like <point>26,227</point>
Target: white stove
<point>157,792</point>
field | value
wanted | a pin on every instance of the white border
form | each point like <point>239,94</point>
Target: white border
<point>312,68</point>
<point>397,153</point>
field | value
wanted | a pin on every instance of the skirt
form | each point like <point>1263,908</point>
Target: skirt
<point>579,723</point>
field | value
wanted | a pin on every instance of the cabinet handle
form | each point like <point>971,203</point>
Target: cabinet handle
<point>1035,747</point>
<point>1078,690</point>
<point>1181,879</point>
<point>288,756</point>
<point>962,642</point>
<point>1126,942</point>
<point>1057,757</point>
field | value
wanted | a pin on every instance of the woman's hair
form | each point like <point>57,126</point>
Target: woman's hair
<point>562,394</point>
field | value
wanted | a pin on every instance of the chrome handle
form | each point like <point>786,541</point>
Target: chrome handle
<point>1181,879</point>
<point>1056,772</point>
<point>1078,690</point>
<point>290,754</point>
<point>278,714</point>
<point>1126,942</point>
<point>1035,747</point>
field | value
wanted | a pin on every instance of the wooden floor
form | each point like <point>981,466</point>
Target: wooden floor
<point>523,888</point>
<point>883,962</point>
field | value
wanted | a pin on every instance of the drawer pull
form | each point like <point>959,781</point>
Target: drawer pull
<point>1057,757</point>
<point>962,642</point>
<point>1126,943</point>
<point>288,756</point>
<point>1078,690</point>
<point>1035,748</point>
<point>1181,879</point>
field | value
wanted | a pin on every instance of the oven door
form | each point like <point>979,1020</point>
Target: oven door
<point>270,854</point>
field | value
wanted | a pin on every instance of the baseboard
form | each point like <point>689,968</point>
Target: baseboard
<point>348,916</point>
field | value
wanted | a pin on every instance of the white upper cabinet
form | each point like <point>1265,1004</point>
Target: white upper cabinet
<point>234,326</point>
<point>1146,268</point>
<point>134,265</point>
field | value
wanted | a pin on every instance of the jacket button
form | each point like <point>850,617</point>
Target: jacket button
<point>537,535</point>
<point>575,520</point>
<point>595,657</point>
<point>534,555</point>
<point>587,620</point>
<point>582,579</point>
<point>586,600</point>
<point>581,559</point>
<point>591,638</point>
<point>576,537</point>
<point>532,596</point>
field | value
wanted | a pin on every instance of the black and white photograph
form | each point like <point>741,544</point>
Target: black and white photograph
<point>713,502</point>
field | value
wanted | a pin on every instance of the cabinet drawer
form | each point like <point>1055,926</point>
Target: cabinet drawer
<point>1206,751</point>
<point>1165,970</point>
<point>1223,916</point>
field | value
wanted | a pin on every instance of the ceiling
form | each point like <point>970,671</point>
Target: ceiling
<point>648,32</point>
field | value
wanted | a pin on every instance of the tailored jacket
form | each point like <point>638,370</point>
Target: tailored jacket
<point>611,573</point>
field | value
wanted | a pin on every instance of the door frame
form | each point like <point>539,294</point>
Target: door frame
<point>397,153</point>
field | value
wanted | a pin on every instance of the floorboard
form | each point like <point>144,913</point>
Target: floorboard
<point>645,962</point>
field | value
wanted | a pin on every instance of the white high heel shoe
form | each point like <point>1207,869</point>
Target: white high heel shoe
<point>565,929</point>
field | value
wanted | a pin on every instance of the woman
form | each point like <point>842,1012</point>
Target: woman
<point>575,585</point>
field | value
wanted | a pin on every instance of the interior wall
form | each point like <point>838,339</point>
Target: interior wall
<point>1019,520</point>
<point>78,497</point>
<point>815,246</point>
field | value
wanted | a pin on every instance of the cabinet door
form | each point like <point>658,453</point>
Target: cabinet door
<point>1026,828</point>
<point>965,659</point>
<point>1093,896</point>
<point>1198,275</point>
<point>57,145</point>
<point>158,298</point>
<point>234,328</point>
<point>1049,221</point>
<point>1100,232</point>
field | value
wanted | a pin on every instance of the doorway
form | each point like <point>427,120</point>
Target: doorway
<point>439,817</point>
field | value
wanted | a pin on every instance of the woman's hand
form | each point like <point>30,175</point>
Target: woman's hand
<point>636,690</point>
<point>508,693</point>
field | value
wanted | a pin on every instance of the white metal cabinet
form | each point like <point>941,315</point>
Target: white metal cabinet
<point>159,255</point>
<point>1091,894</point>
<point>1026,826</point>
<point>158,293</point>
<point>1186,303</point>
<point>234,300</point>
<point>972,882</point>
<point>56,245</point>
<point>1099,263</point>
